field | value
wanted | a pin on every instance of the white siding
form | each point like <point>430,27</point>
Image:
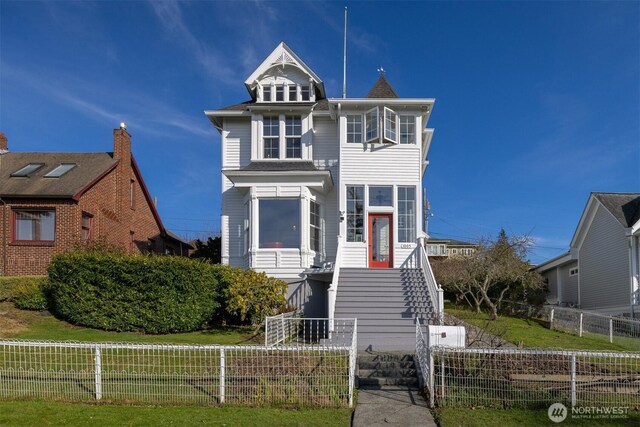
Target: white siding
<point>232,223</point>
<point>383,164</point>
<point>236,143</point>
<point>354,255</point>
<point>326,150</point>
<point>604,264</point>
<point>569,290</point>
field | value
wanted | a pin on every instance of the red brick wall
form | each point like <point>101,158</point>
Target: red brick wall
<point>113,220</point>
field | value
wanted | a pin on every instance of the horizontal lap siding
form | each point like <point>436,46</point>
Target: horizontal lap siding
<point>569,284</point>
<point>385,164</point>
<point>604,264</point>
<point>354,256</point>
<point>236,153</point>
<point>326,151</point>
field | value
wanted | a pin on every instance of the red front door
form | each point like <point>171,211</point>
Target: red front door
<point>380,240</point>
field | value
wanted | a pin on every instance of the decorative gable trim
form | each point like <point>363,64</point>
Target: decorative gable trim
<point>282,56</point>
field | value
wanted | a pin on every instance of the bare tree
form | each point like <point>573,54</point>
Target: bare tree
<point>497,270</point>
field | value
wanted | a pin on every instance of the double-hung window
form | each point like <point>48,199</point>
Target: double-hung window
<point>271,137</point>
<point>35,225</point>
<point>354,128</point>
<point>406,214</point>
<point>293,137</point>
<point>315,226</point>
<point>87,222</point>
<point>407,129</point>
<point>305,93</point>
<point>355,213</point>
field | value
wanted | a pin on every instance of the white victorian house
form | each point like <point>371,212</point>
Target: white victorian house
<point>325,194</point>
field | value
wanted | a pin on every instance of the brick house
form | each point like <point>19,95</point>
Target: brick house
<point>50,202</point>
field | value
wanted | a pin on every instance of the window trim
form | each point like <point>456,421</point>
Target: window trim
<point>319,227</point>
<point>292,137</point>
<point>361,133</point>
<point>412,140</point>
<point>282,137</point>
<point>390,117</point>
<point>276,138</point>
<point>363,213</point>
<point>14,231</point>
<point>414,225</point>
<point>89,228</point>
<point>573,271</point>
<point>375,134</point>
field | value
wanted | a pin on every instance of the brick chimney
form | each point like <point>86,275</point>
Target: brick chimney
<point>124,173</point>
<point>3,142</point>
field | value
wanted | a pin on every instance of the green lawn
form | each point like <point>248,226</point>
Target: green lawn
<point>63,414</point>
<point>464,417</point>
<point>32,325</point>
<point>532,333</point>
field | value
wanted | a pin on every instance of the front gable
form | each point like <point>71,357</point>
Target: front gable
<point>283,66</point>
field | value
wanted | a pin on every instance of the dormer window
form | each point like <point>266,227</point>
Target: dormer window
<point>279,93</point>
<point>304,93</point>
<point>266,93</point>
<point>293,92</point>
<point>27,170</point>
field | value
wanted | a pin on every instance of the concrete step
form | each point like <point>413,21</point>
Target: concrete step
<point>385,356</point>
<point>378,364</point>
<point>386,381</point>
<point>387,373</point>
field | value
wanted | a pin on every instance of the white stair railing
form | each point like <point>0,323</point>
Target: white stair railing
<point>333,288</point>
<point>436,294</point>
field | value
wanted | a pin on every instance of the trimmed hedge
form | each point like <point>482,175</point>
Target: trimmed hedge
<point>10,285</point>
<point>120,292</point>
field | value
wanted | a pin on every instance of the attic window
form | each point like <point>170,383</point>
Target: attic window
<point>60,170</point>
<point>28,170</point>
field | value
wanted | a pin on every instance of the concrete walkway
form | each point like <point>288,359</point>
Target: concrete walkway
<point>391,406</point>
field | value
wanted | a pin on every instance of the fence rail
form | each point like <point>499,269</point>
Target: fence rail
<point>582,322</point>
<point>318,375</point>
<point>513,378</point>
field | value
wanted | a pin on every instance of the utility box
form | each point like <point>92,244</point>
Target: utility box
<point>447,336</point>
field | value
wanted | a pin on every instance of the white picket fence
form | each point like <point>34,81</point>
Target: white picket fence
<point>517,378</point>
<point>295,372</point>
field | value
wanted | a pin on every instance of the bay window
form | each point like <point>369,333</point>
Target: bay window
<point>355,213</point>
<point>36,225</point>
<point>315,226</point>
<point>279,223</point>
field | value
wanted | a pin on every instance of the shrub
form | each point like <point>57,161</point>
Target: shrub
<point>26,292</point>
<point>31,296</point>
<point>120,292</point>
<point>247,296</point>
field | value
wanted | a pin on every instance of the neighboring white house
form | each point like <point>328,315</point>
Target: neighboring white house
<point>445,248</point>
<point>312,185</point>
<point>601,271</point>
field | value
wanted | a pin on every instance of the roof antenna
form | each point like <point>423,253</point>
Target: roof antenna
<point>344,62</point>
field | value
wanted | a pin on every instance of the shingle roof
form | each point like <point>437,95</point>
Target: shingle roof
<point>382,89</point>
<point>274,166</point>
<point>625,207</point>
<point>89,167</point>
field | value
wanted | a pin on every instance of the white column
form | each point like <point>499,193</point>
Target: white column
<point>305,253</point>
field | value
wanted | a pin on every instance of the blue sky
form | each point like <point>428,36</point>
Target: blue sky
<point>537,103</point>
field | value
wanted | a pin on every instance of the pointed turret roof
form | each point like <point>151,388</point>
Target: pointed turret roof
<point>382,89</point>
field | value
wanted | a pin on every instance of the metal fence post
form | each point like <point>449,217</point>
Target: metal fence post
<point>573,380</point>
<point>553,311</point>
<point>98,372</point>
<point>442,378</point>
<point>222,369</point>
<point>580,327</point>
<point>432,379</point>
<point>611,329</point>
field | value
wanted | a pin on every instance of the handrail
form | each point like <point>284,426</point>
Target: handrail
<point>435,291</point>
<point>333,288</point>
